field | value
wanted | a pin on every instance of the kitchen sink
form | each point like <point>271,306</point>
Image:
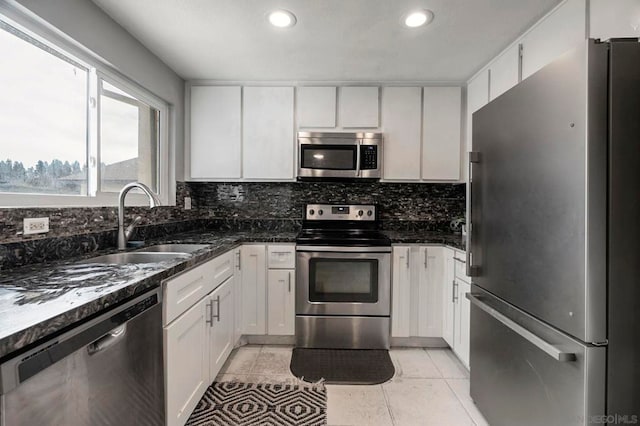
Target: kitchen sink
<point>174,248</point>
<point>136,257</point>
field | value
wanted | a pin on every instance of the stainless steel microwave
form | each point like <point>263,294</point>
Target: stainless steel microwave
<point>339,155</point>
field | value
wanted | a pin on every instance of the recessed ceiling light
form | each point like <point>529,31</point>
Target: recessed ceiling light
<point>282,19</point>
<point>418,18</point>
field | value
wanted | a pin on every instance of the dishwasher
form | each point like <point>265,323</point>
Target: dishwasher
<point>107,371</point>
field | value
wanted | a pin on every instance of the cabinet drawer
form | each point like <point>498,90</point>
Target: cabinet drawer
<point>460,266</point>
<point>184,290</point>
<point>281,256</point>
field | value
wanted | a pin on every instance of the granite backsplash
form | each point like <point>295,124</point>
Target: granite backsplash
<point>403,206</point>
<point>227,207</point>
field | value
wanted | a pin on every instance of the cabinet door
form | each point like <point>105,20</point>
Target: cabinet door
<point>613,19</point>
<point>237,297</point>
<point>221,326</point>
<point>505,72</point>
<point>254,289</point>
<point>267,133</point>
<point>402,121</point>
<point>463,317</point>
<point>441,133</point>
<point>401,292</point>
<point>448,311</point>
<point>215,144</point>
<point>187,362</point>
<point>359,107</point>
<point>477,97</point>
<point>316,106</point>
<point>430,286</point>
<point>559,32</point>
<point>281,302</point>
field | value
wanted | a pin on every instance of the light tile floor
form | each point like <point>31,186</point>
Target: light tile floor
<point>430,387</point>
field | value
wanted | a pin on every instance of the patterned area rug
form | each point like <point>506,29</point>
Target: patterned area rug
<point>239,404</point>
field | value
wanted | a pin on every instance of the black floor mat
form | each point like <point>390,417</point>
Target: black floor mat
<point>342,366</point>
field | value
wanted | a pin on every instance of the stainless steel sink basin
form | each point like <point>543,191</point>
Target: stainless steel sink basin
<point>173,248</point>
<point>136,257</point>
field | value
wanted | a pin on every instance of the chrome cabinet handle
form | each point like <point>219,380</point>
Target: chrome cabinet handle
<point>454,292</point>
<point>408,255</point>
<point>289,280</point>
<point>239,259</point>
<point>426,259</point>
<point>546,347</point>
<point>210,319</point>
<point>459,260</point>
<point>217,316</point>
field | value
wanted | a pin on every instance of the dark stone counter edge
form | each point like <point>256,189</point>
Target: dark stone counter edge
<point>23,340</point>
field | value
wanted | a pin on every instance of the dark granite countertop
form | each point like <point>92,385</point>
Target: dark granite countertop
<point>44,299</point>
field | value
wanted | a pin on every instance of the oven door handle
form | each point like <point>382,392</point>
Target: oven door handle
<point>338,249</point>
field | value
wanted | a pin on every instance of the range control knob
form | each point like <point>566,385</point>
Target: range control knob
<point>360,213</point>
<point>311,212</point>
<point>320,212</point>
<point>369,213</point>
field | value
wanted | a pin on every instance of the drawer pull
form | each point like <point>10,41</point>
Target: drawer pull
<point>543,345</point>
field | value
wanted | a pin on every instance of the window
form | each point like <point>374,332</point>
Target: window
<point>73,129</point>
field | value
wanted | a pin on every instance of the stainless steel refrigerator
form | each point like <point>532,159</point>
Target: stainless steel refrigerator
<point>553,244</point>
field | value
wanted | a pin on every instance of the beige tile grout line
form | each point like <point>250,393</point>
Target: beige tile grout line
<point>386,401</point>
<point>435,364</point>
<point>460,401</point>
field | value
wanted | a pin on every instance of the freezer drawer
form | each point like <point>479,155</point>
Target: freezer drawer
<point>525,373</point>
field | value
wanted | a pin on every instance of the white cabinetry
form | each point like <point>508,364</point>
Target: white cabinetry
<point>198,322</point>
<point>187,363</point>
<point>267,133</point>
<point>559,32</point>
<point>237,297</point>
<point>417,291</point>
<point>359,107</point>
<point>316,106</point>
<point>221,323</point>
<point>254,289</point>
<point>505,72</point>
<point>215,142</point>
<point>281,302</point>
<point>456,307</point>
<point>441,133</point>
<point>401,121</point>
<point>611,19</point>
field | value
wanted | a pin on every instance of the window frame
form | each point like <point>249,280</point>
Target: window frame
<point>98,70</point>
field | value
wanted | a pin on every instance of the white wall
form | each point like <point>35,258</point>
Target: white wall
<point>88,25</point>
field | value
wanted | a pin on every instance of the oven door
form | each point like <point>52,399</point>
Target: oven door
<point>343,281</point>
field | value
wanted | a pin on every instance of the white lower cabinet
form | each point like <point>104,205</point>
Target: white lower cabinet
<point>281,302</point>
<point>221,322</point>
<point>197,338</point>
<point>186,363</point>
<point>254,289</point>
<point>416,291</point>
<point>237,297</point>
<point>456,307</point>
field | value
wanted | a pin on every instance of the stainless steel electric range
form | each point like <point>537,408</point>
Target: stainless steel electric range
<point>343,290</point>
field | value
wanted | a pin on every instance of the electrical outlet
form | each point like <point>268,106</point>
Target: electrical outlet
<point>38,225</point>
<point>187,203</point>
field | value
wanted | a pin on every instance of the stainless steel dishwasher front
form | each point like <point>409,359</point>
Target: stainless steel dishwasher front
<point>107,371</point>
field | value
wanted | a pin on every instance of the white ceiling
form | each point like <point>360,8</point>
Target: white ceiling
<point>334,40</point>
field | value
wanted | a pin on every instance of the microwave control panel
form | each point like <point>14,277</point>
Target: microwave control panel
<point>368,157</point>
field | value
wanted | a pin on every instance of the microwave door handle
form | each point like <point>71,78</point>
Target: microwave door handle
<point>358,151</point>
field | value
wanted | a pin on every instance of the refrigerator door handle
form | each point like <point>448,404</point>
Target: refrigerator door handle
<point>546,347</point>
<point>472,271</point>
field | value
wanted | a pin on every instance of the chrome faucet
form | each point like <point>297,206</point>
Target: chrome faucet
<point>125,234</point>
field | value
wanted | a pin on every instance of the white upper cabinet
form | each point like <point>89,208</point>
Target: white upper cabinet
<point>441,133</point>
<point>215,151</point>
<point>401,121</point>
<point>316,107</point>
<point>559,32</point>
<point>359,107</point>
<point>268,134</point>
<point>618,18</point>
<point>505,72</point>
<point>477,97</point>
